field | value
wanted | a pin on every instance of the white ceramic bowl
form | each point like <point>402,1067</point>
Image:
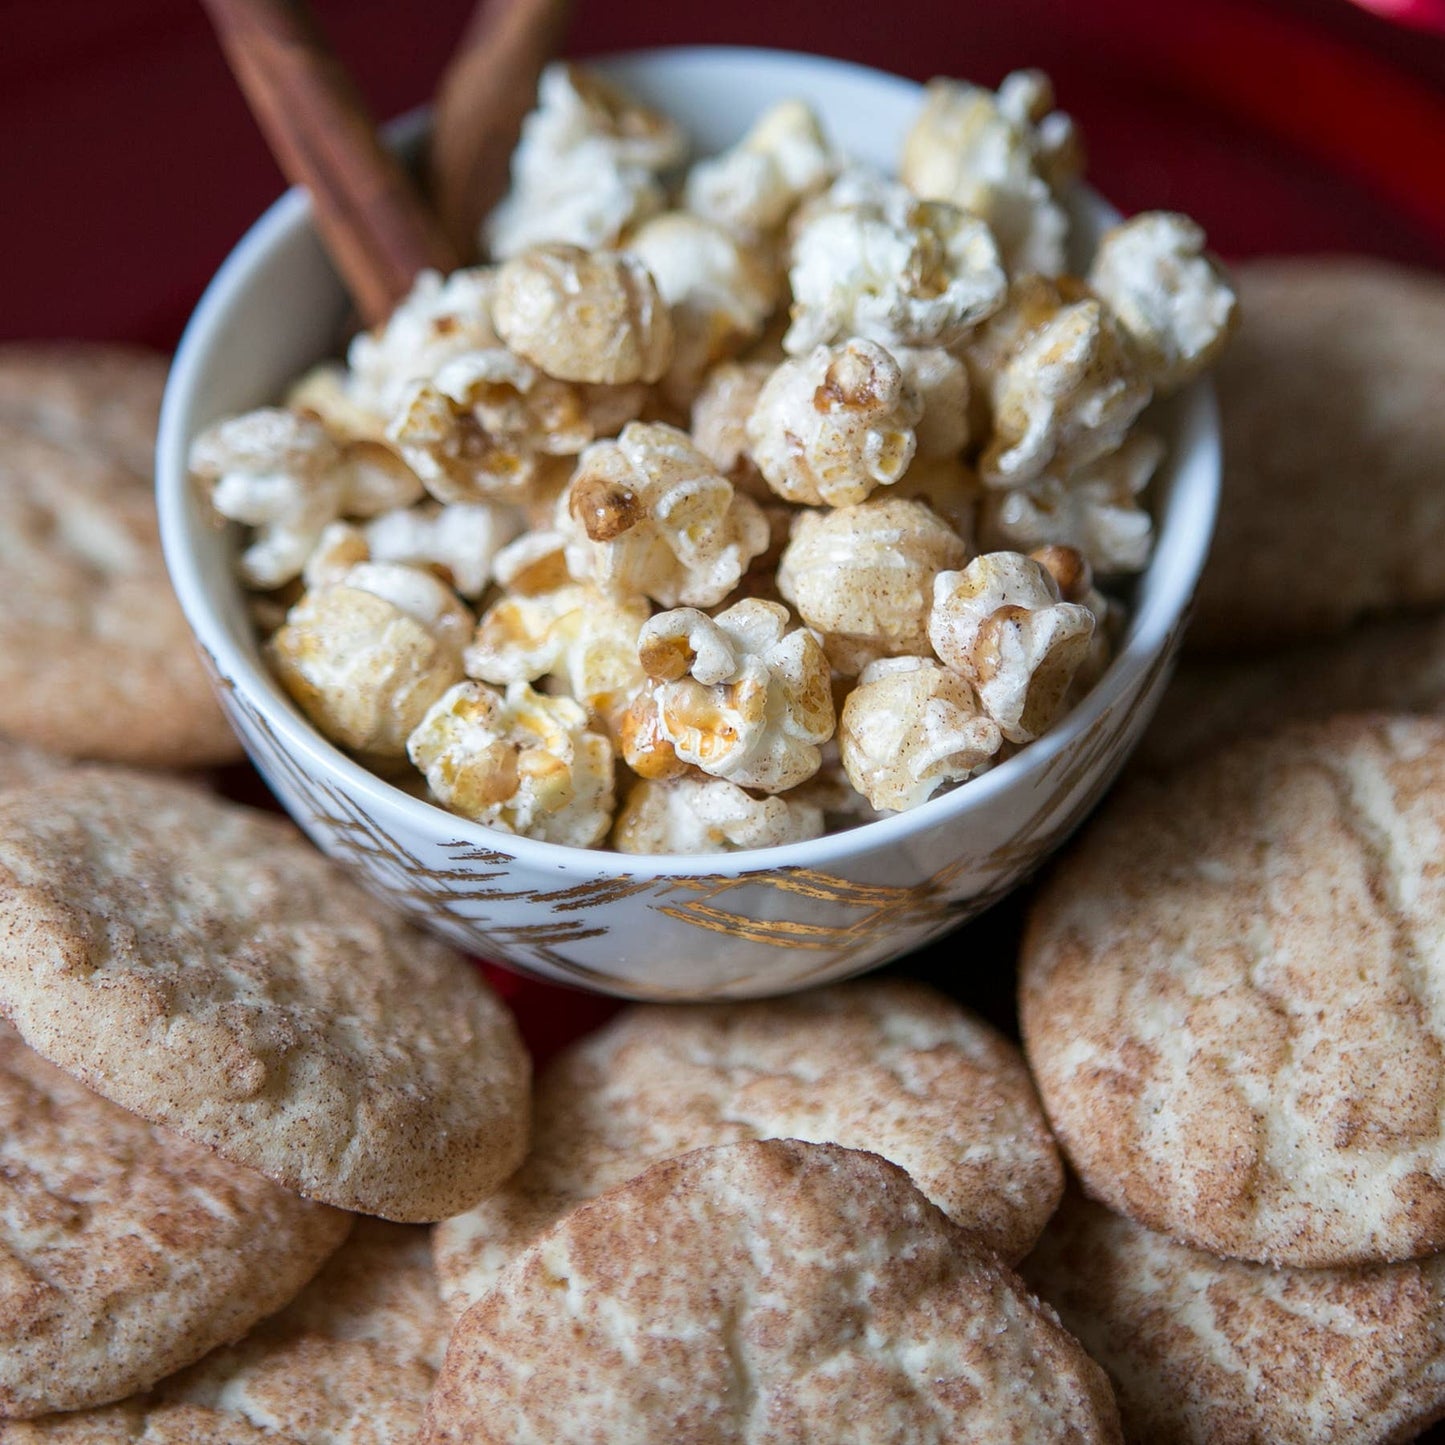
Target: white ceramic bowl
<point>721,925</point>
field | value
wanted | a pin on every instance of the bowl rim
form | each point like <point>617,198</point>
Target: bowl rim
<point>1181,545</point>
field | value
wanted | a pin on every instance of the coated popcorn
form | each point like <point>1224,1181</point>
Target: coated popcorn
<point>283,474</point>
<point>1062,381</point>
<point>829,428</point>
<point>891,268</point>
<point>586,166</point>
<point>1168,293</point>
<point>737,695</point>
<point>710,815</point>
<point>720,293</point>
<point>1098,510</point>
<point>650,515</point>
<point>727,504</point>
<point>580,315</point>
<point>366,656</point>
<point>863,575</point>
<point>519,761</point>
<point>442,317</point>
<point>752,188</point>
<point>577,635</point>
<point>720,413</point>
<point>1001,625</point>
<point>1000,156</point>
<point>908,728</point>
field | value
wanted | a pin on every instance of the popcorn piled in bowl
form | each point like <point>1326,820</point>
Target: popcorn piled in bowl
<point>731,504</point>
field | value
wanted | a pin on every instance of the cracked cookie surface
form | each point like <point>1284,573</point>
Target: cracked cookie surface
<point>1233,998</point>
<point>202,965</point>
<point>885,1065</point>
<point>1207,1351</point>
<point>759,1292</point>
<point>96,658</point>
<point>350,1361</point>
<point>127,1252</point>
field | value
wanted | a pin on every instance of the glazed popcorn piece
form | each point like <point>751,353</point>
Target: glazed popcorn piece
<point>1026,97</point>
<point>720,292</point>
<point>589,199</point>
<point>516,403</point>
<point>1062,380</point>
<point>441,317</point>
<point>720,413</point>
<point>830,428</point>
<point>484,425</point>
<point>892,268</point>
<point>999,156</point>
<point>283,474</point>
<point>865,573</point>
<point>326,393</point>
<point>711,815</point>
<point>950,487</point>
<point>941,381</point>
<point>340,547</point>
<point>909,728</point>
<point>583,638</point>
<point>455,456</point>
<point>592,316</point>
<point>1096,509</point>
<point>737,695</point>
<point>535,562</point>
<point>457,542</point>
<point>585,167</point>
<point>523,762</point>
<point>576,105</point>
<point>1074,577</point>
<point>649,514</point>
<point>1169,294</point>
<point>365,657</point>
<point>1001,625</point>
<point>752,188</point>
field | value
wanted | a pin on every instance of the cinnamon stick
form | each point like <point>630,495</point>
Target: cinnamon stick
<point>369,216</point>
<point>489,86</point>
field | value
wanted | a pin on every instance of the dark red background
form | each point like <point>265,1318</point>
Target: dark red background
<point>130,165</point>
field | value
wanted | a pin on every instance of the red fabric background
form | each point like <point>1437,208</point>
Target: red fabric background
<point>130,164</point>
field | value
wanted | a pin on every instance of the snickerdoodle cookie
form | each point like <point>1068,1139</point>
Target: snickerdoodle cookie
<point>351,1361</point>
<point>127,1252</point>
<point>86,395</point>
<point>757,1292</point>
<point>96,659</point>
<point>1233,997</point>
<point>1206,1351</point>
<point>139,1422</point>
<point>201,964</point>
<point>21,766</point>
<point>884,1065</point>
<point>1394,664</point>
<point>1334,444</point>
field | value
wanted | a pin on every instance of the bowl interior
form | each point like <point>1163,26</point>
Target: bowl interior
<point>276,307</point>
